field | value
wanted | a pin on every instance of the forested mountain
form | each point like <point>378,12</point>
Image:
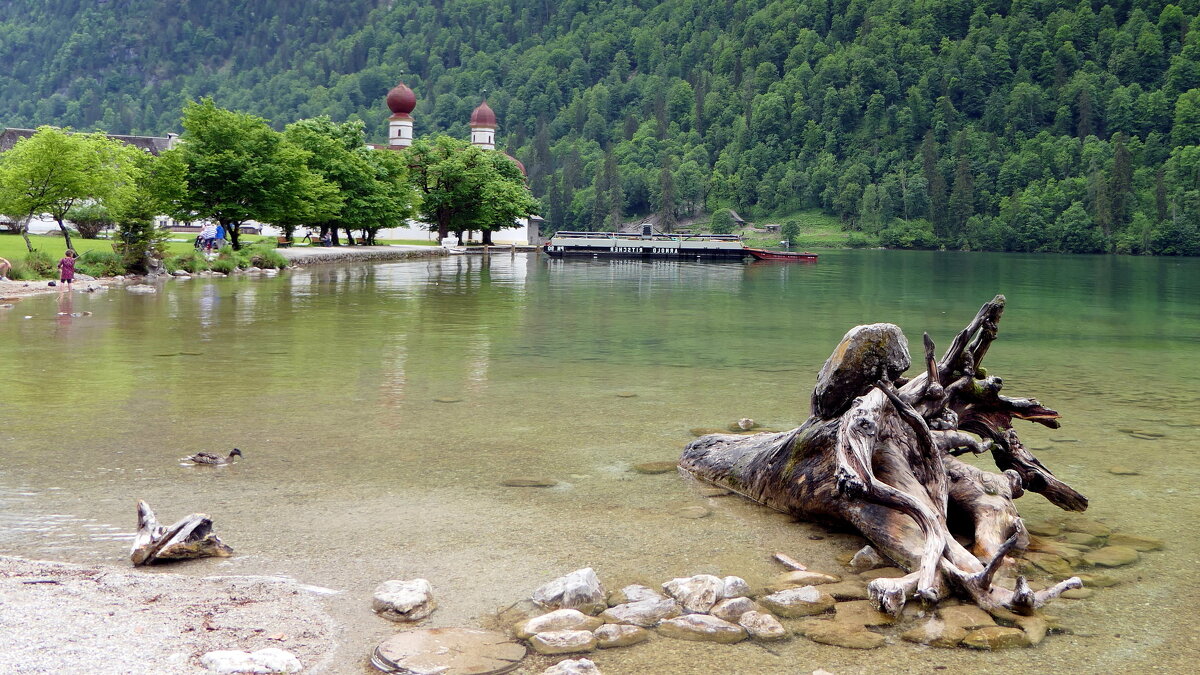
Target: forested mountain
<point>1028,125</point>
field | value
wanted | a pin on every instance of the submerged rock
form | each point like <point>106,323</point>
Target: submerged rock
<point>969,617</point>
<point>935,633</point>
<point>762,626</point>
<point>996,637</point>
<point>619,635</point>
<point>563,642</point>
<point>797,578</point>
<point>448,650</point>
<point>696,594</point>
<point>404,600</point>
<point>1076,523</point>
<point>862,613</point>
<point>702,628</point>
<point>693,512</point>
<point>846,590</point>
<point>1135,542</point>
<point>1112,556</point>
<point>633,593</point>
<point>842,635</point>
<point>522,481</point>
<point>655,467</point>
<point>573,667</point>
<point>867,558</point>
<point>580,590</point>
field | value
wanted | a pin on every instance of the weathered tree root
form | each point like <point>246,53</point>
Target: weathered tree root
<point>191,537</point>
<point>880,452</point>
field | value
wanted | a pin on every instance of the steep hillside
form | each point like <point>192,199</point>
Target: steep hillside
<point>1024,125</point>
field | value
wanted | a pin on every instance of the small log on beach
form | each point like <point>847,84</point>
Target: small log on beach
<point>880,452</point>
<point>191,537</point>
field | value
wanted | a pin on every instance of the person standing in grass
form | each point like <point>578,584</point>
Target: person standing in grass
<point>5,266</point>
<point>219,238</point>
<point>66,270</point>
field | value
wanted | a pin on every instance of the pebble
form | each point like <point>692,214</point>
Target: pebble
<point>626,394</point>
<point>866,559</point>
<point>619,635</point>
<point>447,399</point>
<point>996,637</point>
<point>397,600</point>
<point>655,467</point>
<point>528,482</point>
<point>1112,556</point>
<point>1096,580</point>
<point>1123,471</point>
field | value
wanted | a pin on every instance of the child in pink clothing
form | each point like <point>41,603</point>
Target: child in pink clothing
<point>66,270</point>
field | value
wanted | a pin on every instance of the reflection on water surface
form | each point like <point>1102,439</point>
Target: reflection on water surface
<point>380,406</point>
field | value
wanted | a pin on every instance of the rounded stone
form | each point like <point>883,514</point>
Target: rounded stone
<point>447,399</point>
<point>655,467</point>
<point>1123,471</point>
<point>619,635</point>
<point>842,635</point>
<point>798,578</point>
<point>762,626</point>
<point>861,613</point>
<point>969,617</point>
<point>448,651</point>
<point>702,628</point>
<point>795,602</point>
<point>633,593</point>
<point>1135,541</point>
<point>732,609</point>
<point>563,642</point>
<point>1112,556</point>
<point>696,594</point>
<point>846,590</point>
<point>626,394</point>
<point>935,633</point>
<point>643,612</point>
<point>404,600</point>
<point>996,637</point>
<point>573,667</point>
<point>559,619</point>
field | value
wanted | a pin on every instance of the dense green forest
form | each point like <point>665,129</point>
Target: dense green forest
<point>1022,125</point>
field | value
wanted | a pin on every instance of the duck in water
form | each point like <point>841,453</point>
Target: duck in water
<point>209,458</point>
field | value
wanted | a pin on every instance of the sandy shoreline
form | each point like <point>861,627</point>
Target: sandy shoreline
<point>65,619</point>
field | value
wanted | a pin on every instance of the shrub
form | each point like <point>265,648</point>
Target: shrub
<point>90,219</point>
<point>100,264</point>
<point>911,234</point>
<point>266,258</point>
<point>40,264</point>
<point>859,240</point>
<point>21,272</point>
<point>189,262</point>
<point>225,265</point>
<point>722,222</point>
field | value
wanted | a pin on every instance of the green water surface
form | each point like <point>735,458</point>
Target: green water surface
<point>380,406</point>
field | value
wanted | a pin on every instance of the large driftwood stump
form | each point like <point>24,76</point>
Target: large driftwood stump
<point>191,537</point>
<point>880,452</point>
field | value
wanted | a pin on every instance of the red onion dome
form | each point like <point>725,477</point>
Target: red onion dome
<point>483,116</point>
<point>401,100</point>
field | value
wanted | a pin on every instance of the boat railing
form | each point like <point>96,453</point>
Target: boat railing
<point>653,237</point>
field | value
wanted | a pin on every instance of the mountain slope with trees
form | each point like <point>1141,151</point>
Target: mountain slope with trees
<point>1024,125</point>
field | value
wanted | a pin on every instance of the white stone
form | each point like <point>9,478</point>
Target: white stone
<point>141,288</point>
<point>795,602</point>
<point>573,667</point>
<point>559,619</point>
<point>867,558</point>
<point>404,600</point>
<point>635,593</point>
<point>702,628</point>
<point>563,642</point>
<point>619,635</point>
<point>762,626</point>
<point>696,594</point>
<point>735,587</point>
<point>642,613</point>
<point>269,660</point>
<point>580,590</point>
<point>732,609</point>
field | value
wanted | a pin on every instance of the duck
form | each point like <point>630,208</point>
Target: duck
<point>209,458</point>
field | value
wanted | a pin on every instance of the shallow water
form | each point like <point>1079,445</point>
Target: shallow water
<point>329,380</point>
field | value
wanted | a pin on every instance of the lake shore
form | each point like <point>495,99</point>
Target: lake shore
<point>63,618</point>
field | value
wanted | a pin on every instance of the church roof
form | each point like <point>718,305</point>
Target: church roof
<point>401,100</point>
<point>483,116</point>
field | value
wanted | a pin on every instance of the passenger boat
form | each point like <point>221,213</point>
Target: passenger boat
<point>795,256</point>
<point>647,245</point>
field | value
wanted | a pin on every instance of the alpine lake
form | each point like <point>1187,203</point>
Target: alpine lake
<point>381,406</point>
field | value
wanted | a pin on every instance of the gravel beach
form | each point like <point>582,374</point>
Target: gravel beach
<point>66,619</point>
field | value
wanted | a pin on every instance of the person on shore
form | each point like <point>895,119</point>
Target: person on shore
<point>66,271</point>
<point>219,238</point>
<point>327,239</point>
<point>208,234</point>
<point>5,266</point>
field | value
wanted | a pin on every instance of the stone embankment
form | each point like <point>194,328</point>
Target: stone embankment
<point>313,255</point>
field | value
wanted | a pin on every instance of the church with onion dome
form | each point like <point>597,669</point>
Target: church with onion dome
<point>402,101</point>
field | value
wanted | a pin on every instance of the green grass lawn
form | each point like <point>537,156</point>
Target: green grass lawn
<point>817,230</point>
<point>12,246</point>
